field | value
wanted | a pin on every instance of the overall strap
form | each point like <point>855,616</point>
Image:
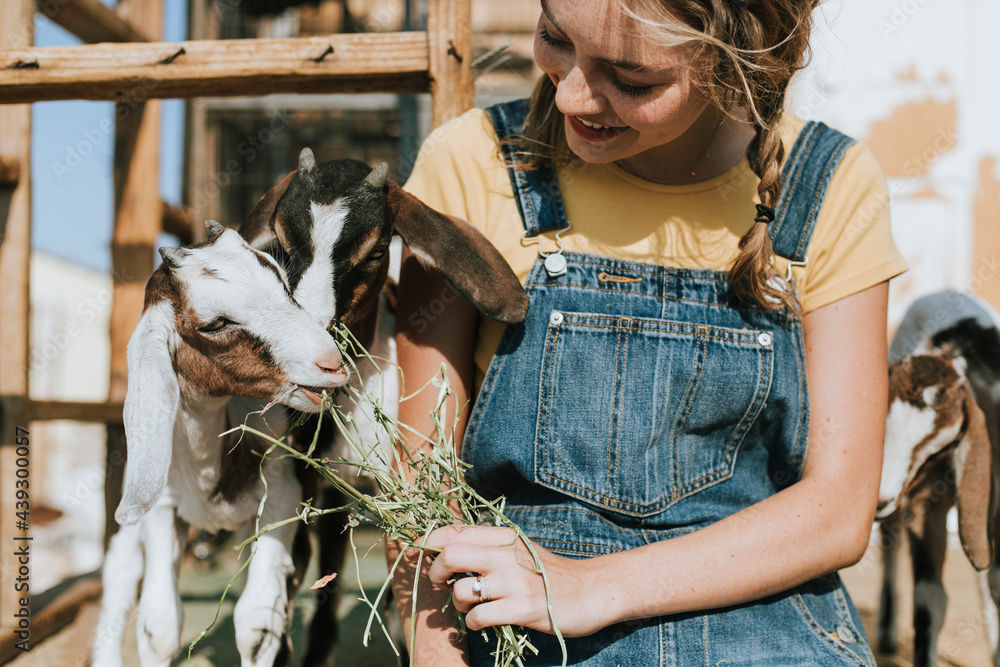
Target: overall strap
<point>536,190</point>
<point>808,171</point>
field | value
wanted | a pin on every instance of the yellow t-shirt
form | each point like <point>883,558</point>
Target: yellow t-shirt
<point>459,171</point>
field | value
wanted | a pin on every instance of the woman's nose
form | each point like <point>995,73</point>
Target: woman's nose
<point>575,95</point>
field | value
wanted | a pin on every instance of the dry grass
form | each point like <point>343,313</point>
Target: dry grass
<point>407,507</point>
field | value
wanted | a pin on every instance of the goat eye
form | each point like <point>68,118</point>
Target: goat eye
<point>378,253</point>
<point>218,324</point>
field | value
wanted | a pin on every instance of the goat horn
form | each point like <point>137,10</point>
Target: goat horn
<point>214,229</point>
<point>376,178</point>
<point>307,161</point>
<point>171,256</point>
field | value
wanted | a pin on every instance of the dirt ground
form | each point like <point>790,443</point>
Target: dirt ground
<point>963,641</point>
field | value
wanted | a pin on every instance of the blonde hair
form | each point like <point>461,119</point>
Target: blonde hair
<point>747,52</point>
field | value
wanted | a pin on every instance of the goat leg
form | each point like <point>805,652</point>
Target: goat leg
<point>324,630</point>
<point>261,614</point>
<point>301,553</point>
<point>890,536</point>
<point>161,614</point>
<point>928,535</point>
<point>990,593</point>
<point>120,580</point>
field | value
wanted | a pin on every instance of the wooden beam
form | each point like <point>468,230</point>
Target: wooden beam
<point>99,413</point>
<point>132,73</point>
<point>449,40</point>
<point>16,31</point>
<point>53,616</point>
<point>90,20</point>
<point>10,171</point>
<point>177,221</point>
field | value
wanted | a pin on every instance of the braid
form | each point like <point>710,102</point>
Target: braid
<point>751,270</point>
<point>746,52</point>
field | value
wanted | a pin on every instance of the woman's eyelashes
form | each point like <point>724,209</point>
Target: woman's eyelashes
<point>547,37</point>
<point>623,87</point>
<point>632,90</point>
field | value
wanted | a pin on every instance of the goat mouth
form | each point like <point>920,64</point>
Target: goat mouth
<point>315,394</point>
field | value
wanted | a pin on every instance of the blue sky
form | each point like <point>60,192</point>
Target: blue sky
<point>71,162</point>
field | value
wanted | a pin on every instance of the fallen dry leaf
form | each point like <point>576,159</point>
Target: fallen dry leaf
<point>323,582</point>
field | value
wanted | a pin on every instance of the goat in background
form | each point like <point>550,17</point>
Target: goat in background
<point>942,449</point>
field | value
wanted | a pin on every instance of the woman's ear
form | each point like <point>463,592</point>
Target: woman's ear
<point>150,410</point>
<point>456,249</point>
<point>972,460</point>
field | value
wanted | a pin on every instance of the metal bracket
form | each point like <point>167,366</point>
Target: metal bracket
<point>554,261</point>
<point>788,275</point>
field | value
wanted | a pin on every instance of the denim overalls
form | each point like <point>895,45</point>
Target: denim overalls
<point>639,402</point>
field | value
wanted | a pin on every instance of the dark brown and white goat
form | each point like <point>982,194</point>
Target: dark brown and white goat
<point>218,321</point>
<point>331,225</point>
<point>942,450</point>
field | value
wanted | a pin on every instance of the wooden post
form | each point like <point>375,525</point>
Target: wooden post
<point>16,31</point>
<point>138,216</point>
<point>91,20</point>
<point>177,221</point>
<point>202,24</point>
<point>10,171</point>
<point>449,37</point>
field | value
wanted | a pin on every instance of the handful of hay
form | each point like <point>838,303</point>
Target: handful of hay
<point>406,507</point>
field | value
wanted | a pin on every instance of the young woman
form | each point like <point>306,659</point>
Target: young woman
<point>688,425</point>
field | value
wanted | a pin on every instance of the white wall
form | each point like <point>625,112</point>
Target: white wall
<point>70,308</point>
<point>916,79</point>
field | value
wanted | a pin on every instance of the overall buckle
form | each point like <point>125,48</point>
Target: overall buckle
<point>554,261</point>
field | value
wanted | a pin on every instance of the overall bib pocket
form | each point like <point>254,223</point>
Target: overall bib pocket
<point>635,414</point>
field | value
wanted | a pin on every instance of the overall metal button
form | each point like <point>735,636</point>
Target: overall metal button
<point>555,318</point>
<point>846,634</point>
<point>555,265</point>
<point>764,339</point>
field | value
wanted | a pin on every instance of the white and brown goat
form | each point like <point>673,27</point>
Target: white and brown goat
<point>218,321</point>
<point>331,225</point>
<point>942,450</point>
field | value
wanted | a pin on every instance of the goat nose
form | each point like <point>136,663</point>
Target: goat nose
<point>331,362</point>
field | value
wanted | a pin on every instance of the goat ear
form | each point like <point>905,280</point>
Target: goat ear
<point>258,228</point>
<point>972,460</point>
<point>150,409</point>
<point>455,248</point>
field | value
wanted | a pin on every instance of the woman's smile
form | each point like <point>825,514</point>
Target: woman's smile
<point>621,99</point>
<point>595,132</point>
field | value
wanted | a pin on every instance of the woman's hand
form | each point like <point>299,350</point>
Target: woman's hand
<point>511,589</point>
